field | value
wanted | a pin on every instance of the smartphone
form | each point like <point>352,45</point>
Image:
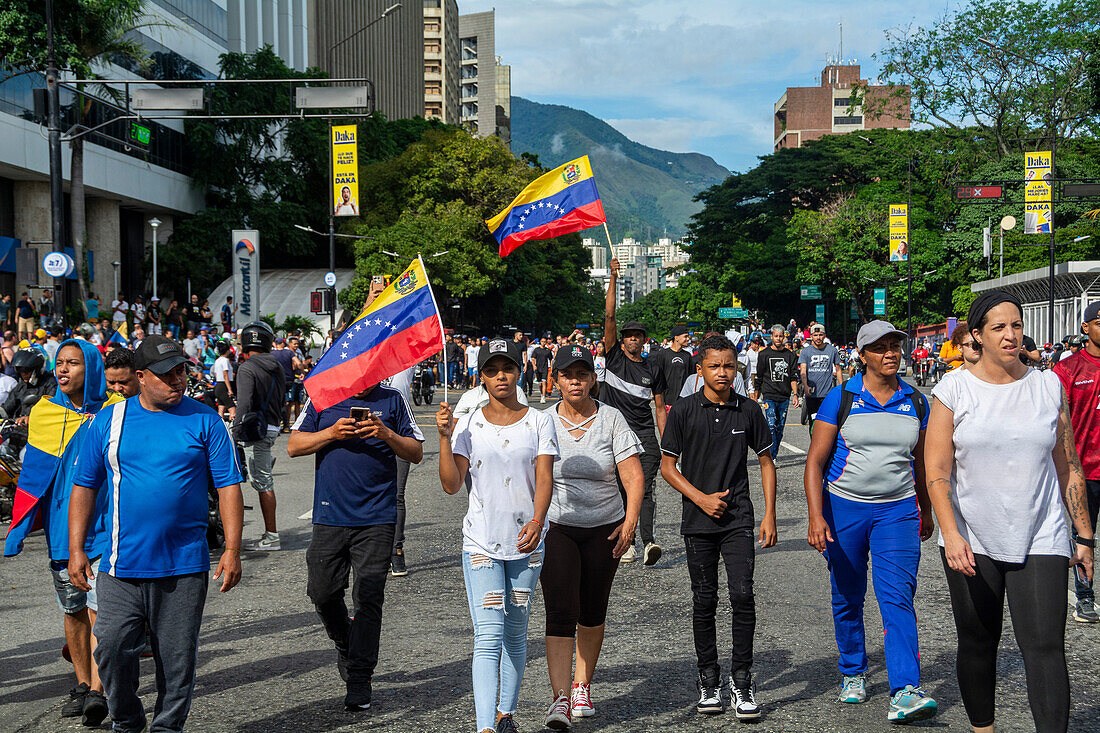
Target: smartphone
<point>380,279</point>
<point>360,414</point>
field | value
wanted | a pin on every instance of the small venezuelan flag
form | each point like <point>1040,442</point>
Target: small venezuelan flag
<point>400,329</point>
<point>562,201</point>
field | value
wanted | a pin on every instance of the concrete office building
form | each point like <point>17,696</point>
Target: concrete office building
<point>253,23</point>
<point>643,267</point>
<point>441,60</point>
<point>485,101</point>
<point>504,102</point>
<point>808,113</point>
<point>124,186</point>
<point>390,53</point>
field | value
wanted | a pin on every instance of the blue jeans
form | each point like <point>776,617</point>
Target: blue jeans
<point>776,413</point>
<point>890,533</point>
<point>499,593</point>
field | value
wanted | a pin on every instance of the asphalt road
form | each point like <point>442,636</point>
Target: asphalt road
<point>265,664</point>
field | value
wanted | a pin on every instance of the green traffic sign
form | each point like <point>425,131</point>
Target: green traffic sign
<point>140,134</point>
<point>733,312</point>
<point>809,292</point>
<point>880,302</point>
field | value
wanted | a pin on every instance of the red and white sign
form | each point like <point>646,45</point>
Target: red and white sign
<point>979,192</point>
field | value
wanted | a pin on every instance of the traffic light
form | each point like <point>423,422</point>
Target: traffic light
<point>321,301</point>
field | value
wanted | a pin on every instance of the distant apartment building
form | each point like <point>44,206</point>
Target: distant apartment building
<point>643,267</point>
<point>808,113</point>
<point>480,112</point>
<point>441,61</point>
<point>389,52</point>
<point>504,102</point>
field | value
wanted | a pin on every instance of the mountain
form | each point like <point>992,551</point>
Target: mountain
<point>645,191</point>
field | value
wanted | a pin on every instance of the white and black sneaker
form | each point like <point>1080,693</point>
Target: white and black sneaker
<point>743,697</point>
<point>710,694</point>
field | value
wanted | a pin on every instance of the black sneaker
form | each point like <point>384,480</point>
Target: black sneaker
<point>507,725</point>
<point>710,692</point>
<point>397,564</point>
<point>95,709</point>
<point>358,697</point>
<point>74,707</point>
<point>743,692</point>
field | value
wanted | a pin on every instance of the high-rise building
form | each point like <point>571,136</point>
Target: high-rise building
<point>126,186</point>
<point>389,52</point>
<point>504,102</point>
<point>643,267</point>
<point>485,85</point>
<point>808,113</point>
<point>441,60</point>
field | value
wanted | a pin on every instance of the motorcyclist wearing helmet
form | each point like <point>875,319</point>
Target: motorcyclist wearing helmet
<point>34,381</point>
<point>261,401</point>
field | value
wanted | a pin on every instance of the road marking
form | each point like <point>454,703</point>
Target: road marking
<point>307,515</point>
<point>792,448</point>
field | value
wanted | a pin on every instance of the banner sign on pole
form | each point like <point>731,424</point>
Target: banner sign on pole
<point>809,292</point>
<point>1037,190</point>
<point>345,171</point>
<point>736,302</point>
<point>899,232</point>
<point>246,274</point>
<point>820,314</point>
<point>880,302</point>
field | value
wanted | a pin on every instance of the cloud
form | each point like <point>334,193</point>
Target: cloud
<point>557,143</point>
<point>659,68</point>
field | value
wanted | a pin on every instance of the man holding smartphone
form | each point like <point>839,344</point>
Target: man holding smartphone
<point>357,444</point>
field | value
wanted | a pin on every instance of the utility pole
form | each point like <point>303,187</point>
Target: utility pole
<point>57,199</point>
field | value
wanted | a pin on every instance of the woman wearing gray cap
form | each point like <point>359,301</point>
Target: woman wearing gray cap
<point>1000,462</point>
<point>866,495</point>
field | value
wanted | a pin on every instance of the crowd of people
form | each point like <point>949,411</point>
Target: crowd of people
<point>556,497</point>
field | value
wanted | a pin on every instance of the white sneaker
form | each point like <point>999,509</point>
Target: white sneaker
<point>581,700</point>
<point>853,689</point>
<point>629,555</point>
<point>542,400</point>
<point>743,699</point>
<point>558,716</point>
<point>651,554</point>
<point>268,541</point>
<point>710,697</point>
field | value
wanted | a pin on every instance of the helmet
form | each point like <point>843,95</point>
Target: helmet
<point>29,359</point>
<point>257,335</point>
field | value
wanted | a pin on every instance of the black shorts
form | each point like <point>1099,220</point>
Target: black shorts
<point>540,375</point>
<point>221,394</point>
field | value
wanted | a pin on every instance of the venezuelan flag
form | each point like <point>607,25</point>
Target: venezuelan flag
<point>562,201</point>
<point>401,328</point>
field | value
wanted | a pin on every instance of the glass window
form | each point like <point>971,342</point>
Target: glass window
<point>854,120</point>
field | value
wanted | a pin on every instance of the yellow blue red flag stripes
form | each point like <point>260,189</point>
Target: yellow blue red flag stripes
<point>562,201</point>
<point>401,328</point>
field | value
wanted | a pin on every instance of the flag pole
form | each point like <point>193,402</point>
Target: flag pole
<point>610,247</point>
<point>442,332</point>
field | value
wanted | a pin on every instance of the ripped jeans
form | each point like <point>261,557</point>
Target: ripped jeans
<point>499,593</point>
<point>736,550</point>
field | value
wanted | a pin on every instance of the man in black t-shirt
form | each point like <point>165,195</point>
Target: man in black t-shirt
<point>542,356</point>
<point>709,434</point>
<point>675,363</point>
<point>777,384</point>
<point>634,386</point>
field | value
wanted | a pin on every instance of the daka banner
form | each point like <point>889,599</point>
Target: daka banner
<point>1037,188</point>
<point>246,275</point>
<point>899,232</point>
<point>345,171</point>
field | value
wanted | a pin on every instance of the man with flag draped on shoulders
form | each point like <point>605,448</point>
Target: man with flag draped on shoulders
<point>357,428</point>
<point>57,428</point>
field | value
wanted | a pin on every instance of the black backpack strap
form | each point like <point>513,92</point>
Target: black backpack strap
<point>846,400</point>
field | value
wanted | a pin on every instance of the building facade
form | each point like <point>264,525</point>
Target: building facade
<point>387,50</point>
<point>250,24</point>
<point>485,85</point>
<point>836,107</point>
<point>441,61</point>
<point>643,268</point>
<point>504,102</point>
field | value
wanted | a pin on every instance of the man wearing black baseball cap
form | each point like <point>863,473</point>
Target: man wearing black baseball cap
<point>631,384</point>
<point>676,364</point>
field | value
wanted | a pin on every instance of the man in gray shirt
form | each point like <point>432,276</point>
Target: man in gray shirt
<point>819,367</point>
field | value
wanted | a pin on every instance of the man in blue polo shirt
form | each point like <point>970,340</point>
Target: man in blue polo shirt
<point>156,455</point>
<point>357,443</point>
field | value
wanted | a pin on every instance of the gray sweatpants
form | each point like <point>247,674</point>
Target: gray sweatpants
<point>173,609</point>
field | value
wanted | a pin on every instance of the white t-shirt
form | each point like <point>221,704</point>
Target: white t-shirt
<point>222,368</point>
<point>192,347</point>
<point>402,382</point>
<point>694,383</point>
<point>139,312</point>
<point>1004,487</point>
<point>120,308</point>
<point>600,362</point>
<point>749,358</point>
<point>502,478</point>
<point>471,356</point>
<point>473,399</point>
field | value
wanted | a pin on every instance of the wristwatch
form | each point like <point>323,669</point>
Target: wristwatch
<point>1086,541</point>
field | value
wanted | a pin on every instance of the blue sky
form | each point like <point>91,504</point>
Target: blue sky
<point>689,75</point>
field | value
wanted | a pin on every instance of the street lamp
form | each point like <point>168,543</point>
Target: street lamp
<point>155,223</point>
<point>116,264</point>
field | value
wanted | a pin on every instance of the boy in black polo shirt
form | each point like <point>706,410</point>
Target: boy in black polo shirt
<point>710,435</point>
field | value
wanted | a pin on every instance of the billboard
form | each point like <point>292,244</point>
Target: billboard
<point>246,276</point>
<point>1037,186</point>
<point>899,232</point>
<point>345,171</point>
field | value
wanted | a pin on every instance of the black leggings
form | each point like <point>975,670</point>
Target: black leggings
<point>1037,601</point>
<point>577,572</point>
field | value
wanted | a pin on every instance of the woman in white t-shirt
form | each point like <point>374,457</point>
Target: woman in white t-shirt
<point>1000,463</point>
<point>222,371</point>
<point>508,451</point>
<point>589,529</point>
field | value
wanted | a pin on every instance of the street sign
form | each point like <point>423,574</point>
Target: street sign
<point>820,314</point>
<point>809,292</point>
<point>583,325</point>
<point>740,312</point>
<point>330,279</point>
<point>880,302</point>
<point>57,264</point>
<point>139,134</point>
<point>978,192</point>
<point>1079,190</point>
<point>694,324</point>
<point>726,312</point>
<point>855,311</point>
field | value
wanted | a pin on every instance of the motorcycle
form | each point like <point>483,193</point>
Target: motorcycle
<point>423,384</point>
<point>200,387</point>
<point>14,437</point>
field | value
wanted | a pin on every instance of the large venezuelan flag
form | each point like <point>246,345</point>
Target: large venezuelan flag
<point>562,201</point>
<point>401,328</point>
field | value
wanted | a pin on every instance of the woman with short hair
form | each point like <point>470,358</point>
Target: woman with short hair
<point>1001,462</point>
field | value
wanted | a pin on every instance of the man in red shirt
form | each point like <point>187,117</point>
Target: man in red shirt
<point>1080,376</point>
